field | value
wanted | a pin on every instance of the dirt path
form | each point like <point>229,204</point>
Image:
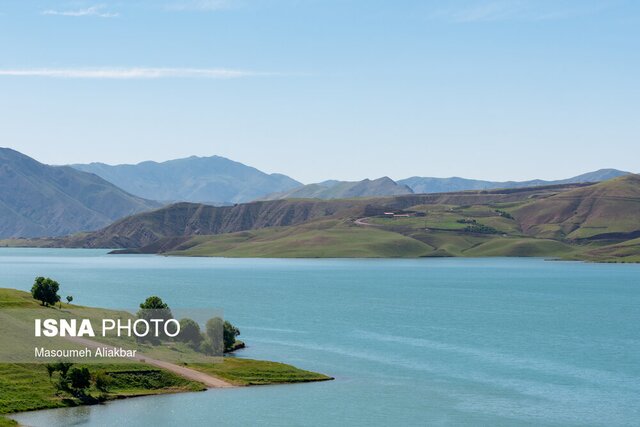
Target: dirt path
<point>363,221</point>
<point>191,374</point>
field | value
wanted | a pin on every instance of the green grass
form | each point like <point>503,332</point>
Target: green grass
<point>27,387</point>
<point>325,239</point>
<point>519,247</point>
<point>257,372</point>
<point>5,422</point>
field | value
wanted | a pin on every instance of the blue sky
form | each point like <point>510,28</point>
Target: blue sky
<point>319,89</point>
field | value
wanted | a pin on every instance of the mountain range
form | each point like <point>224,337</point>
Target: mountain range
<point>42,200</point>
<point>332,189</point>
<point>213,180</point>
<point>445,185</point>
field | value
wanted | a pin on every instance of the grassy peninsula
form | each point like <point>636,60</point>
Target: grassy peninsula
<point>28,386</point>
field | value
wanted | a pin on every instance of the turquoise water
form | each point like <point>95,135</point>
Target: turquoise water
<point>410,342</point>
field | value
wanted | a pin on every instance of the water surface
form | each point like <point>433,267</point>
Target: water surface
<point>410,342</point>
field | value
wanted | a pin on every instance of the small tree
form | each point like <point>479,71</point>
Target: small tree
<point>45,290</point>
<point>50,370</point>
<point>229,335</point>
<point>69,299</point>
<point>190,332</point>
<point>79,380</point>
<point>218,329</point>
<point>153,308</point>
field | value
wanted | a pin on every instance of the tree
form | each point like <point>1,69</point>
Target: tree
<point>160,309</point>
<point>79,380</point>
<point>69,299</point>
<point>153,308</point>
<point>214,330</point>
<point>50,370</point>
<point>190,332</point>
<point>45,290</point>
<point>229,335</point>
<point>218,329</point>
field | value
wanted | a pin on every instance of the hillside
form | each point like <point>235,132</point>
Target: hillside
<point>214,180</point>
<point>41,200</point>
<point>344,190</point>
<point>175,223</point>
<point>597,222</point>
<point>444,185</point>
<point>608,210</point>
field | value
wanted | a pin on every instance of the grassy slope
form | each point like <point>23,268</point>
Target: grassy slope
<point>313,240</point>
<point>256,372</point>
<point>25,387</point>
<point>608,207</point>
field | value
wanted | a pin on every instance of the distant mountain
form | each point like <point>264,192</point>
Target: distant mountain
<point>213,180</point>
<point>40,200</point>
<point>445,185</point>
<point>333,189</point>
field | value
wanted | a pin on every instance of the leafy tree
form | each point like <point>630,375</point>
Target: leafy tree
<point>229,335</point>
<point>79,380</point>
<point>45,290</point>
<point>190,332</point>
<point>153,308</point>
<point>69,299</point>
<point>216,328</point>
<point>50,370</point>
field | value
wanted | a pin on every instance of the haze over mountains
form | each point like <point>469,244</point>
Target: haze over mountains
<point>214,180</point>
<point>41,200</point>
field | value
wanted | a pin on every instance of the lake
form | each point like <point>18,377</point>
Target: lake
<point>489,341</point>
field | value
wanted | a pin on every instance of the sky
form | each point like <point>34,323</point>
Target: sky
<point>327,89</point>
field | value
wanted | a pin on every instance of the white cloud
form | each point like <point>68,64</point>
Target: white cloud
<point>129,73</point>
<point>97,11</point>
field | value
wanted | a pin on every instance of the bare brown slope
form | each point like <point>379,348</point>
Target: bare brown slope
<point>608,210</point>
<point>167,226</point>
